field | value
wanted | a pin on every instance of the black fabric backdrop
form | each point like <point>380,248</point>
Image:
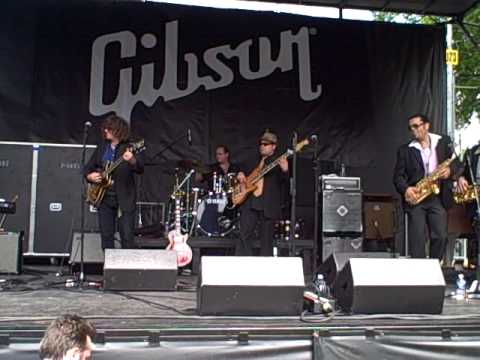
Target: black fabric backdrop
<point>372,77</point>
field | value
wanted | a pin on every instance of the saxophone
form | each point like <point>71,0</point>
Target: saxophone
<point>430,184</point>
<point>467,196</point>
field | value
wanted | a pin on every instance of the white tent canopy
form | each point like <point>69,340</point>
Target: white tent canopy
<point>453,8</point>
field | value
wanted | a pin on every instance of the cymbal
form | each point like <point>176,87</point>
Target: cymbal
<point>193,164</point>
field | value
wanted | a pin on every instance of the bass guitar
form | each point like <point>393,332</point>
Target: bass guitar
<point>96,191</point>
<point>178,241</point>
<point>254,181</point>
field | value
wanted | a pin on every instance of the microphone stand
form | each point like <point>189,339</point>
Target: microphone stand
<point>168,146</point>
<point>82,209</point>
<point>316,212</point>
<point>293,195</point>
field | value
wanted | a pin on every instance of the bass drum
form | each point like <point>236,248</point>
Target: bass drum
<point>215,217</point>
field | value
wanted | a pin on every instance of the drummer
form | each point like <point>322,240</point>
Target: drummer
<point>222,167</point>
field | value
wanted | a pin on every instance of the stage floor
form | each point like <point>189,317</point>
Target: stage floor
<point>30,300</point>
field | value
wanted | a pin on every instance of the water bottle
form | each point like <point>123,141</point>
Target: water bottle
<point>461,290</point>
<point>321,286</point>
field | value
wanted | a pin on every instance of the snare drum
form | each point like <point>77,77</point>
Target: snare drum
<point>214,217</point>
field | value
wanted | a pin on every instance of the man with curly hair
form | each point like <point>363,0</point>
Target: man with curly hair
<point>69,337</point>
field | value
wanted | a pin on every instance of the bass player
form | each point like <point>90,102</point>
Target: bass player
<point>118,204</point>
<point>265,208</point>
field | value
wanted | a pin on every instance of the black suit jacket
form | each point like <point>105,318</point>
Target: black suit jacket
<point>409,169</point>
<point>473,159</point>
<point>272,196</point>
<point>123,176</point>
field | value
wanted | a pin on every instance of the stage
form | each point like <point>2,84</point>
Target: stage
<point>145,325</point>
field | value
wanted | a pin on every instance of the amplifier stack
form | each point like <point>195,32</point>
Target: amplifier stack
<point>341,215</point>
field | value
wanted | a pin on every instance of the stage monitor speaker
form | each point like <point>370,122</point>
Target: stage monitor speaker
<point>140,269</point>
<point>341,211</point>
<point>391,286</point>
<point>250,286</point>
<point>11,254</point>
<point>336,261</point>
<point>92,248</point>
<point>334,244</point>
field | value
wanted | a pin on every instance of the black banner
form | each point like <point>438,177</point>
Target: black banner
<point>225,74</point>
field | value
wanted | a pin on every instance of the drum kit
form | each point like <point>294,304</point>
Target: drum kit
<point>209,211</point>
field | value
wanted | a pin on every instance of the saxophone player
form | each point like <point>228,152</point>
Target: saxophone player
<point>415,160</point>
<point>471,176</point>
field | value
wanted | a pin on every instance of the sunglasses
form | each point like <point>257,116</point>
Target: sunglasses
<point>265,143</point>
<point>415,126</point>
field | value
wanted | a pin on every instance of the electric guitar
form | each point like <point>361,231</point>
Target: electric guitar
<point>254,181</point>
<point>96,191</point>
<point>178,241</point>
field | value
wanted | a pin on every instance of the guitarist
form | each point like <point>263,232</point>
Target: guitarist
<point>266,208</point>
<point>118,204</point>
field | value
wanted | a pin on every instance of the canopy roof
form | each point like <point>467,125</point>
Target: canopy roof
<point>453,8</point>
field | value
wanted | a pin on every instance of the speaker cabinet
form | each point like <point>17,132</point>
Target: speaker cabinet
<point>11,254</point>
<point>145,269</point>
<point>335,244</point>
<point>379,217</point>
<point>341,211</point>
<point>391,286</point>
<point>336,261</point>
<point>57,206</point>
<point>250,286</point>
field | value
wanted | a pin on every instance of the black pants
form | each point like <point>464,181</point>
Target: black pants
<point>429,214</point>
<point>248,221</point>
<point>476,228</point>
<point>108,219</point>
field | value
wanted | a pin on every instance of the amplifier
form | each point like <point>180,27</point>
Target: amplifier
<point>341,212</point>
<point>340,183</point>
<point>11,255</point>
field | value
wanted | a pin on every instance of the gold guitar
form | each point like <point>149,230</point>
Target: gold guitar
<point>254,182</point>
<point>96,191</point>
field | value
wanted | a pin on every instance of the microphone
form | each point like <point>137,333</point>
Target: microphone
<point>314,137</point>
<point>87,124</point>
<point>189,137</point>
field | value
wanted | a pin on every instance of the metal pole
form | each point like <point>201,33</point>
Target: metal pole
<point>450,89</point>
<point>293,194</point>
<point>316,212</point>
<point>82,208</point>
<point>406,234</point>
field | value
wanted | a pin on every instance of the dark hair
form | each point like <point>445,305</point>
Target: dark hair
<point>65,333</point>
<point>224,147</point>
<point>117,125</point>
<point>422,117</point>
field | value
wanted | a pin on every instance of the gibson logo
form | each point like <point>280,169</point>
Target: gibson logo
<point>222,75</point>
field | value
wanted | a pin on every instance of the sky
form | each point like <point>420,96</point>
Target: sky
<point>468,136</point>
<point>315,11</point>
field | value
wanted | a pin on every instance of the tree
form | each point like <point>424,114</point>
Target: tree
<point>467,73</point>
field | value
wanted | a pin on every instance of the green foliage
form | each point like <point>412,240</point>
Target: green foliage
<point>467,73</point>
